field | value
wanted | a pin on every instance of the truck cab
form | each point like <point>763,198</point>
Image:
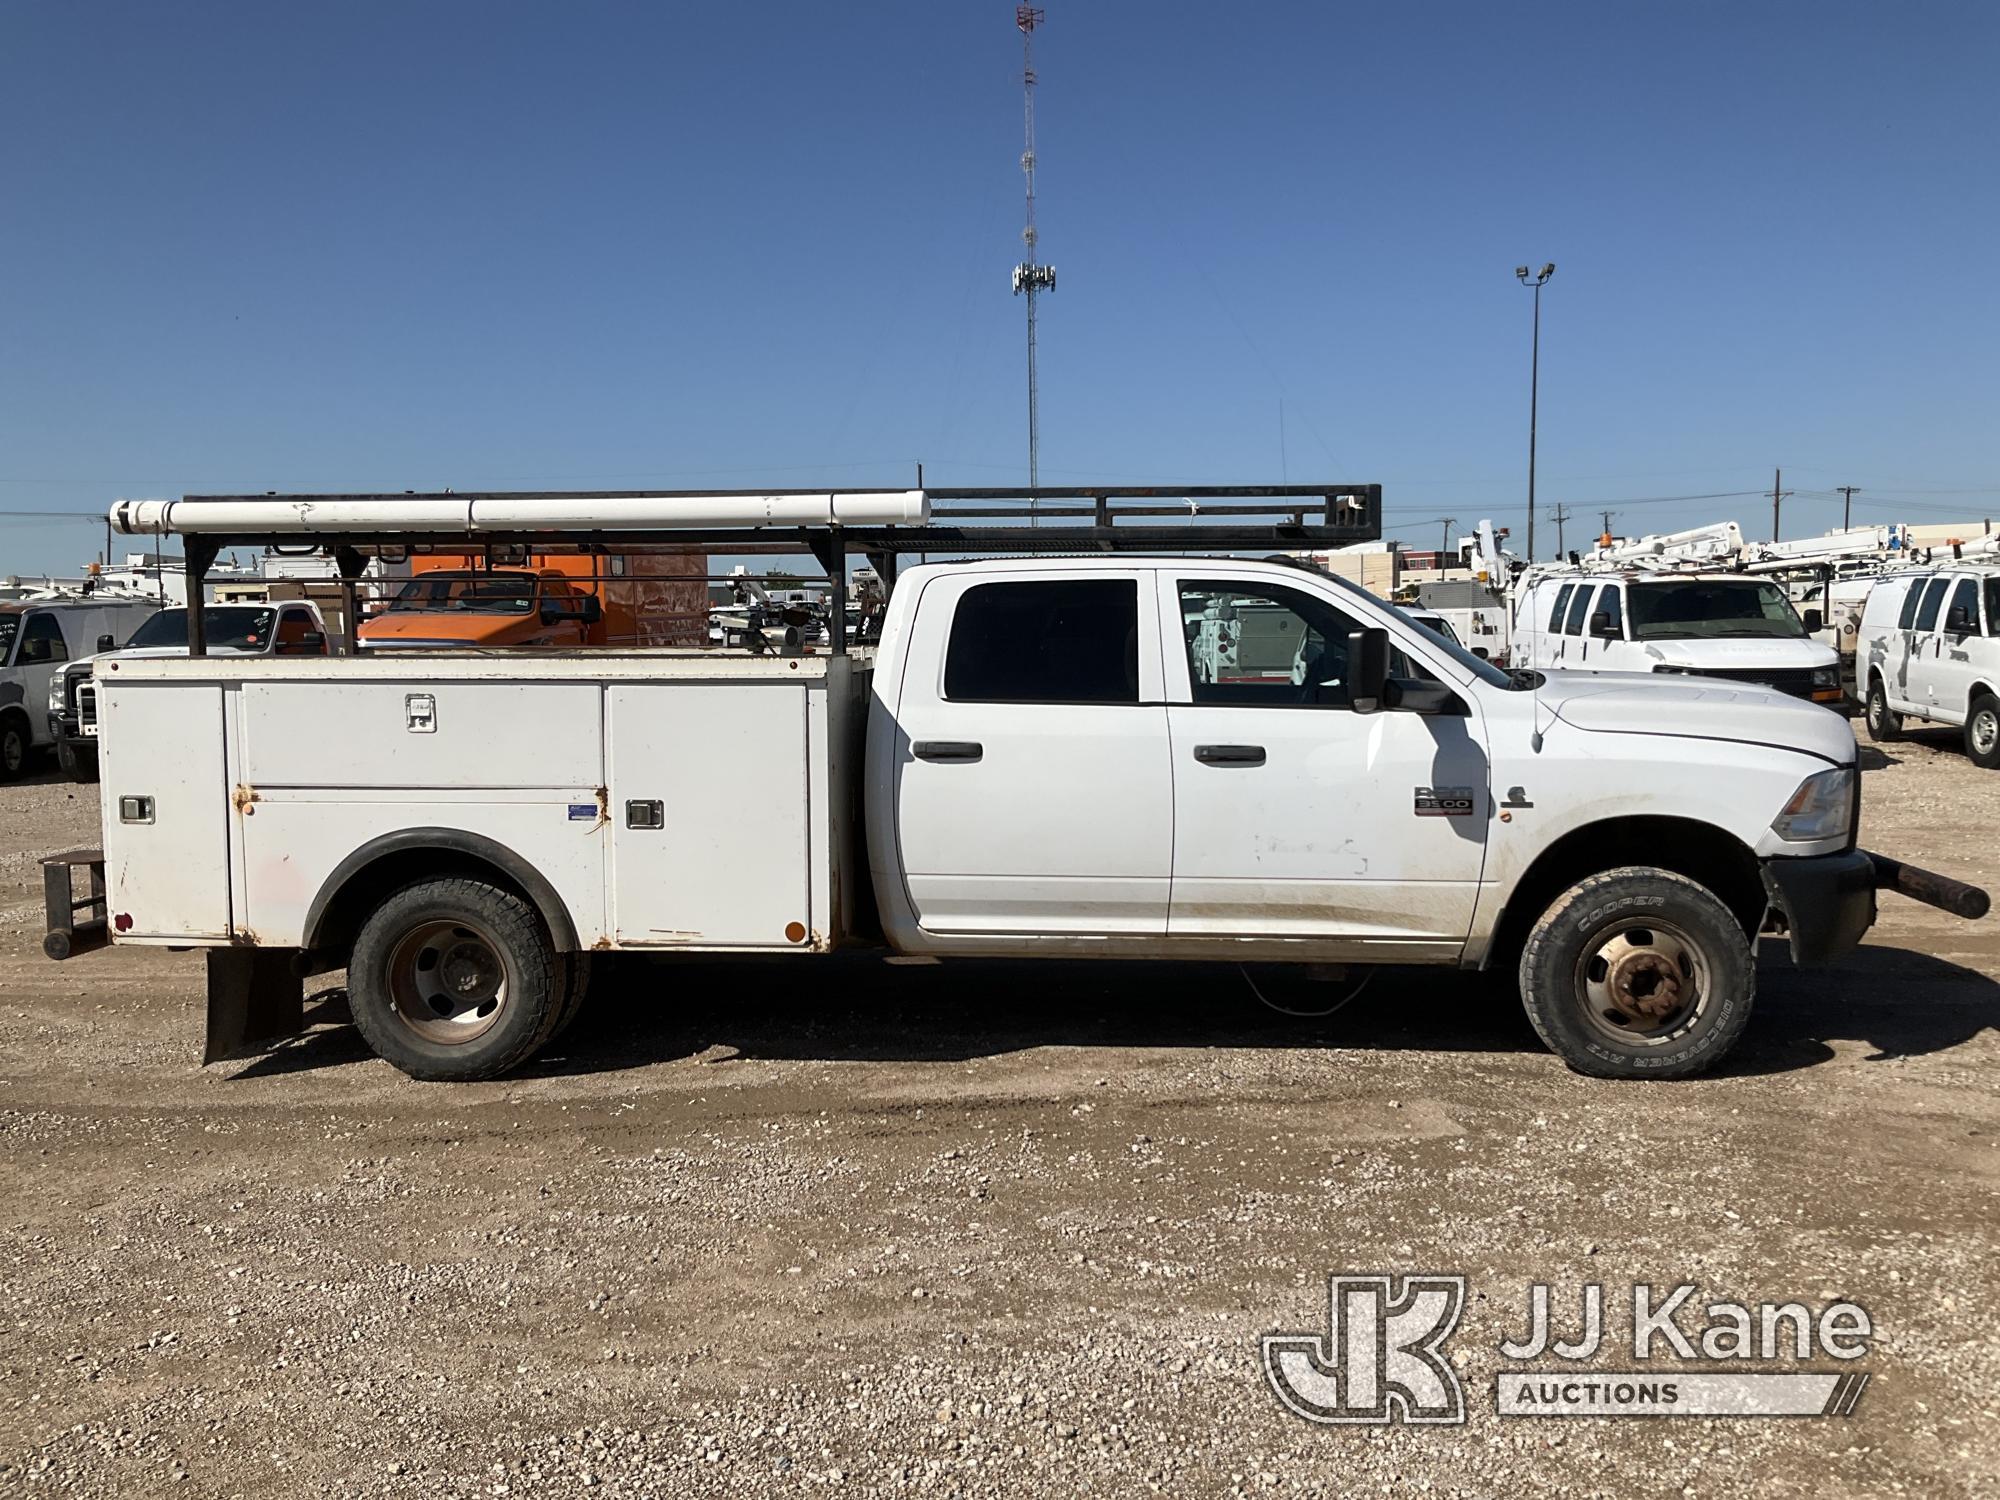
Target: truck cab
<point>294,628</point>
<point>460,609</point>
<point>1929,648</point>
<point>38,637</point>
<point>1733,626</point>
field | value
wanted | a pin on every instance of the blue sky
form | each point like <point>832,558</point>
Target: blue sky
<point>505,245</point>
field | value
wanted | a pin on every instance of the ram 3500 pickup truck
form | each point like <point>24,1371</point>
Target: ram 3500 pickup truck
<point>1198,758</point>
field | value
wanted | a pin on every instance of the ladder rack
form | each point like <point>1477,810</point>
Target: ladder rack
<point>1077,519</point>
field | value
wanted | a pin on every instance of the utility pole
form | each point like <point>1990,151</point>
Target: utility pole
<point>1607,514</point>
<point>1444,547</point>
<point>1559,515</point>
<point>1847,494</point>
<point>1030,277</point>
<point>1778,496</point>
<point>1534,280</point>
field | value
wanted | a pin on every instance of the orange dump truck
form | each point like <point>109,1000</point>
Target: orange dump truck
<point>617,598</point>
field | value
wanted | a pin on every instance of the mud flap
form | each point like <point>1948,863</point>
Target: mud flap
<point>254,998</point>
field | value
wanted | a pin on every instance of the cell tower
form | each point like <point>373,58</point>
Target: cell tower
<point>1030,277</point>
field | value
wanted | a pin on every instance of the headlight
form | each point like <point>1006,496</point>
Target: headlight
<point>57,699</point>
<point>1822,808</point>
<point>1826,677</point>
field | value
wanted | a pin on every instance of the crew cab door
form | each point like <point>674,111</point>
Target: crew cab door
<point>1294,816</point>
<point>1033,791</point>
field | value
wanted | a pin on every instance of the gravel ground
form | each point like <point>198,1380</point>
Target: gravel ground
<point>839,1227</point>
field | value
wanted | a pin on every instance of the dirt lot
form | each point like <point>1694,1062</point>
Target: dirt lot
<point>848,1228</point>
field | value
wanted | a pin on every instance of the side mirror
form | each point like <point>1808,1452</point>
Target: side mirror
<point>1958,621</point>
<point>107,643</point>
<point>1817,621</point>
<point>1600,626</point>
<point>553,612</point>
<point>1482,653</point>
<point>1367,669</point>
<point>593,609</point>
<point>312,643</point>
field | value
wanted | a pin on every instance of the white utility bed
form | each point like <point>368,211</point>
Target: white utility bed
<point>667,798</point>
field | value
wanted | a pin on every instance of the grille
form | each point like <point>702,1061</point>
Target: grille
<point>1797,681</point>
<point>86,705</point>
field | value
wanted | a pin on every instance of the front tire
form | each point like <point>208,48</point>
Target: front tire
<point>1982,731</point>
<point>17,745</point>
<point>1638,973</point>
<point>456,980</point>
<point>77,764</point>
<point>1884,723</point>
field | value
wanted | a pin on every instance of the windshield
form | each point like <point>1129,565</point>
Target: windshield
<point>1711,608</point>
<point>475,593</point>
<point>233,627</point>
<point>10,626</point>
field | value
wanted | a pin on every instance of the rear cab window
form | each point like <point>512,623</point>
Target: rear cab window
<point>1045,641</point>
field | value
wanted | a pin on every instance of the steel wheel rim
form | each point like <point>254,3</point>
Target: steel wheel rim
<point>1985,731</point>
<point>449,980</point>
<point>1642,982</point>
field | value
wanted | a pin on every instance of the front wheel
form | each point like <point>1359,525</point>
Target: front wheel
<point>1982,731</point>
<point>77,764</point>
<point>1638,973</point>
<point>16,745</point>
<point>456,980</point>
<point>1884,723</point>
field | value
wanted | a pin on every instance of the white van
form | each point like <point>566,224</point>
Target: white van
<point>1730,625</point>
<point>1930,649</point>
<point>36,637</point>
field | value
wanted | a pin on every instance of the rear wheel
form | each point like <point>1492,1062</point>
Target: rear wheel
<point>77,763</point>
<point>1884,723</point>
<point>1638,973</point>
<point>455,980</point>
<point>16,745</point>
<point>1982,731</point>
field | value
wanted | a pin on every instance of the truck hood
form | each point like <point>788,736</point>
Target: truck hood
<point>1741,653</point>
<point>1690,708</point>
<point>413,627</point>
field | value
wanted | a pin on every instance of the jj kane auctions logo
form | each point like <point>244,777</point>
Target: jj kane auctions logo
<point>1382,1357</point>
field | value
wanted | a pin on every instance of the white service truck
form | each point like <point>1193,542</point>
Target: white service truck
<point>1205,758</point>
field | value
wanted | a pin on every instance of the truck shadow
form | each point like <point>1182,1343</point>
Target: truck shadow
<point>1896,1002</point>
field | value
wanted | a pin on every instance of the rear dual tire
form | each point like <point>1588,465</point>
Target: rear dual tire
<point>457,980</point>
<point>1638,973</point>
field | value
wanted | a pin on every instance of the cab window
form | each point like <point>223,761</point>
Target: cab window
<point>294,626</point>
<point>1579,611</point>
<point>1964,597</point>
<point>1993,606</point>
<point>1913,595</point>
<point>1073,640</point>
<point>1258,644</point>
<point>1608,604</point>
<point>1556,612</point>
<point>1927,612</point>
<point>42,641</point>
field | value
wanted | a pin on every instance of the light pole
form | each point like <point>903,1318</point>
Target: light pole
<point>1445,545</point>
<point>1534,279</point>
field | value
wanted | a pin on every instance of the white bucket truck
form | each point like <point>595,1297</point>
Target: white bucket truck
<point>1099,754</point>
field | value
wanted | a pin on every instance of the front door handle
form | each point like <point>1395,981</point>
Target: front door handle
<point>1229,755</point>
<point>948,750</point>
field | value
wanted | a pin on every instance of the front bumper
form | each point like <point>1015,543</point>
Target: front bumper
<point>1826,900</point>
<point>65,729</point>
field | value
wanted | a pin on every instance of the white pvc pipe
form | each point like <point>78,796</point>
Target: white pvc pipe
<point>298,517</point>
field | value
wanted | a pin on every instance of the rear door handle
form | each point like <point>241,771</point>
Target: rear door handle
<point>1229,755</point>
<point>947,750</point>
